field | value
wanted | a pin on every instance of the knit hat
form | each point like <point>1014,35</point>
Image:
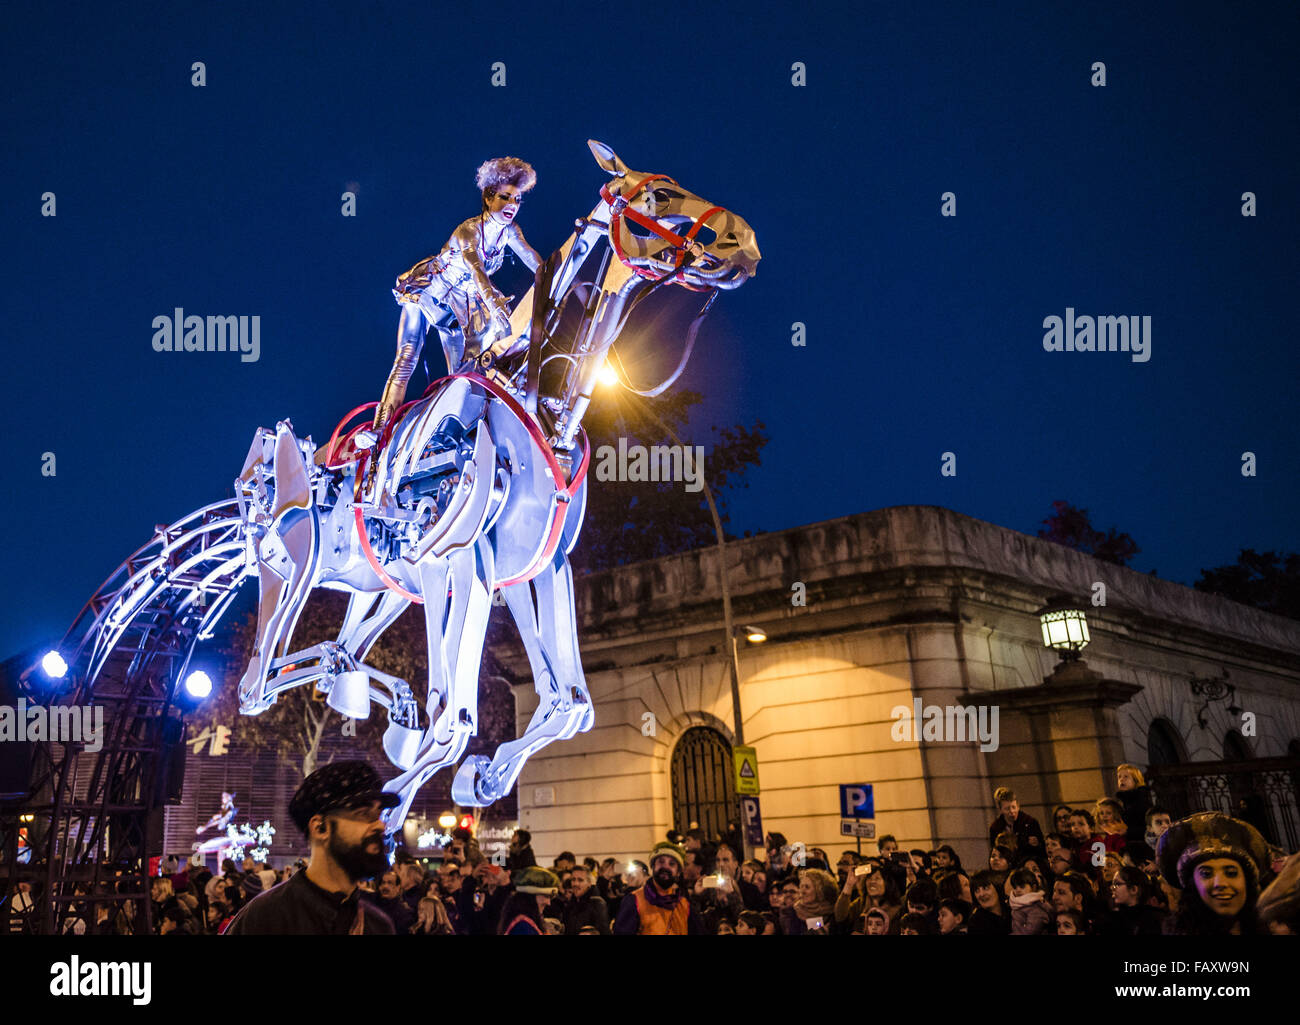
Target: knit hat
<point>537,880</point>
<point>1206,835</point>
<point>670,849</point>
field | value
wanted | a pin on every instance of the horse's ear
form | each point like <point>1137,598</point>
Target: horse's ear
<point>607,158</point>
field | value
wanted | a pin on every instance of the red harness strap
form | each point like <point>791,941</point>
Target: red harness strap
<point>679,242</point>
<point>563,492</point>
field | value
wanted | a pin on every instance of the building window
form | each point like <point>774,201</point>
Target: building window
<point>1163,745</point>
<point>704,791</point>
<point>1234,747</point>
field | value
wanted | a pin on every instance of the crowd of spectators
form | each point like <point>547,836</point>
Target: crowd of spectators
<point>1120,867</point>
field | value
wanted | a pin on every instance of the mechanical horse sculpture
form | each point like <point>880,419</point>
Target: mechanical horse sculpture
<point>478,486</point>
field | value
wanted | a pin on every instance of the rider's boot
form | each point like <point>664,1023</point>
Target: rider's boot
<point>394,393</point>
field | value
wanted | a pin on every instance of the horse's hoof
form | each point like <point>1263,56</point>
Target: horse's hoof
<point>467,787</point>
<point>402,745</point>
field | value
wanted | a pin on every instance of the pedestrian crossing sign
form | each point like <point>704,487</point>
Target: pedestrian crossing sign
<point>746,764</point>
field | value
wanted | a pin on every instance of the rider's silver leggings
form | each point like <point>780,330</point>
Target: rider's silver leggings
<point>410,340</point>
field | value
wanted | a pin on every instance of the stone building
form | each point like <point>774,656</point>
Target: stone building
<point>864,616</point>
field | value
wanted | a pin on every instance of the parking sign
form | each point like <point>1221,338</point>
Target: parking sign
<point>857,801</point>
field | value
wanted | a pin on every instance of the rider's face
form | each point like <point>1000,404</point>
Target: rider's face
<point>504,204</point>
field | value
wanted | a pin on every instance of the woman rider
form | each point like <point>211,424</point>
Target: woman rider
<point>451,290</point>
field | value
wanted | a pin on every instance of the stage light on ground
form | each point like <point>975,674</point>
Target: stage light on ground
<point>198,684</point>
<point>53,665</point>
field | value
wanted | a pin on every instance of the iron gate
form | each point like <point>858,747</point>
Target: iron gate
<point>704,790</point>
<point>1262,791</point>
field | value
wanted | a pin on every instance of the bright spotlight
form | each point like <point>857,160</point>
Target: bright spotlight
<point>606,376</point>
<point>54,666</point>
<point>198,684</point>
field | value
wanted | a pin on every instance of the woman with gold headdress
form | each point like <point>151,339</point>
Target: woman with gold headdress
<point>452,291</point>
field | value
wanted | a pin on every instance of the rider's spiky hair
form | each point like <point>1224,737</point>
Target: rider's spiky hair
<point>492,174</point>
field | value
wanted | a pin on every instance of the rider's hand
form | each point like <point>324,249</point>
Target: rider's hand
<point>501,323</point>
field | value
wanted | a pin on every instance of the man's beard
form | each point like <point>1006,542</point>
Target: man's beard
<point>357,861</point>
<point>665,877</point>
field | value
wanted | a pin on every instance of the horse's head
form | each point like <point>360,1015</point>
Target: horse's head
<point>660,216</point>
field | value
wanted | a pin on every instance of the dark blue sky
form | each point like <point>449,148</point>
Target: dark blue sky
<point>924,332</point>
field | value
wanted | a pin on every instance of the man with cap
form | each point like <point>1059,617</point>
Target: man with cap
<point>1216,862</point>
<point>660,908</point>
<point>338,809</point>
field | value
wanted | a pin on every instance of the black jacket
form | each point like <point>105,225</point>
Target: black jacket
<point>1135,803</point>
<point>301,908</point>
<point>1142,920</point>
<point>522,858</point>
<point>397,910</point>
<point>589,910</point>
<point>1029,835</point>
<point>985,923</point>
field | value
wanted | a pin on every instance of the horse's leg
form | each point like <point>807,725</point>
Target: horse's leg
<point>288,551</point>
<point>547,624</point>
<point>286,563</point>
<point>455,628</point>
<point>360,632</point>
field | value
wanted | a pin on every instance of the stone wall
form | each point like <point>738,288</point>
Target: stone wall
<point>905,602</point>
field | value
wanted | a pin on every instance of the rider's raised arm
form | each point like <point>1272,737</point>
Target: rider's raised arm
<point>525,252</point>
<point>494,299</point>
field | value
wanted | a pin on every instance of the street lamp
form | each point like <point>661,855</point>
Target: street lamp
<point>447,820</point>
<point>1065,627</point>
<point>53,665</point>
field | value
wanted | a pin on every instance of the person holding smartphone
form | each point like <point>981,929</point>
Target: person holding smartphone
<point>867,887</point>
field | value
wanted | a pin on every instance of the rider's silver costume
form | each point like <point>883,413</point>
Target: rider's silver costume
<point>452,292</point>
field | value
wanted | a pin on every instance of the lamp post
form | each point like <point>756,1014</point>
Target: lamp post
<point>728,622</point>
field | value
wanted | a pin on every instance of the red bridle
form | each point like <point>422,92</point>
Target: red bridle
<point>680,243</point>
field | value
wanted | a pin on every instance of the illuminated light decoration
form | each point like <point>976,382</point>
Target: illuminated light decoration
<point>245,836</point>
<point>1065,627</point>
<point>467,822</point>
<point>198,684</point>
<point>433,838</point>
<point>447,820</point>
<point>466,493</point>
<point>53,666</point>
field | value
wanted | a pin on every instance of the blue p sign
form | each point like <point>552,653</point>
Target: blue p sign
<point>857,801</point>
